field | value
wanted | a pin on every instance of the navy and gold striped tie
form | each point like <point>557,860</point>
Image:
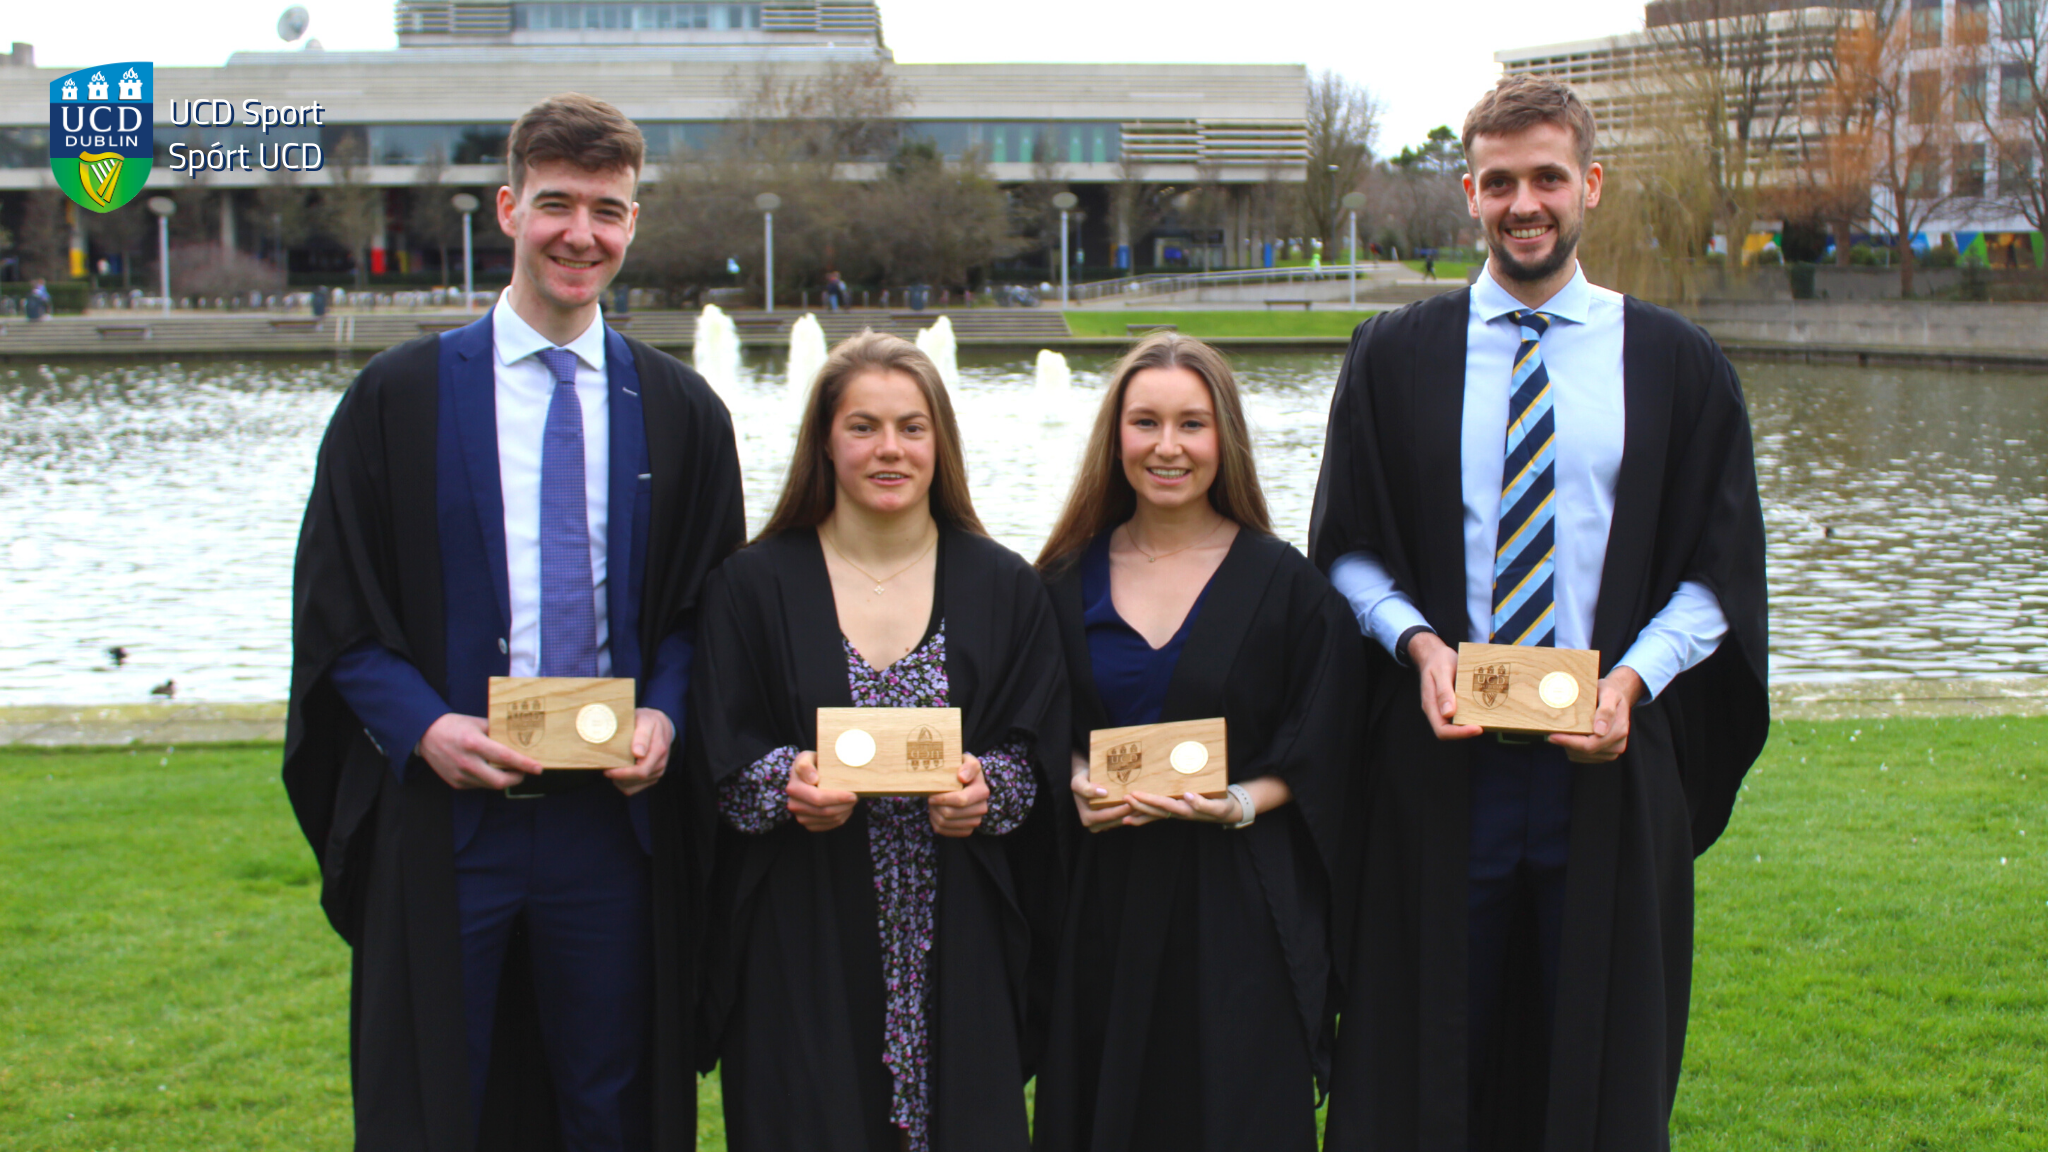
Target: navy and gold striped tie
<point>1525,563</point>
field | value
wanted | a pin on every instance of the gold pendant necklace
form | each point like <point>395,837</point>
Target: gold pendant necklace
<point>879,590</point>
<point>1149,557</point>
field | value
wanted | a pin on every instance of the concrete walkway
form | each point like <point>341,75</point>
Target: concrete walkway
<point>120,725</point>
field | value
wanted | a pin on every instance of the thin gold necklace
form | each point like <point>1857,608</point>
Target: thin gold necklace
<point>1149,557</point>
<point>870,575</point>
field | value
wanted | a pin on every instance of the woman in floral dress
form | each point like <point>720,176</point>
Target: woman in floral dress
<point>877,968</point>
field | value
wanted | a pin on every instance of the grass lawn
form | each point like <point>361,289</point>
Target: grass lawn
<point>1869,972</point>
<point>1283,324</point>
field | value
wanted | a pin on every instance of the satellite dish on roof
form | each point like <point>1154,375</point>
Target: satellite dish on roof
<point>292,24</point>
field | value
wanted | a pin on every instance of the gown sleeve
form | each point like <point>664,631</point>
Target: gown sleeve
<point>756,798</point>
<point>1012,787</point>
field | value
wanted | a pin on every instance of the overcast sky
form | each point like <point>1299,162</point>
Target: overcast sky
<point>1426,61</point>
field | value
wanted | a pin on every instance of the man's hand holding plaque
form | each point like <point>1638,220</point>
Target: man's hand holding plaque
<point>1521,688</point>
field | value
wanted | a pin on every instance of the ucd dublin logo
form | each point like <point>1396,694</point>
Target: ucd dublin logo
<point>102,134</point>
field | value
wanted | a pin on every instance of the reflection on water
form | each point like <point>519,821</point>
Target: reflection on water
<point>156,507</point>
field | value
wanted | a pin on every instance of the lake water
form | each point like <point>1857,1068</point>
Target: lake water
<point>156,507</point>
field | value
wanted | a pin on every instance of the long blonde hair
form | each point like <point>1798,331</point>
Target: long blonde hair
<point>1102,496</point>
<point>809,491</point>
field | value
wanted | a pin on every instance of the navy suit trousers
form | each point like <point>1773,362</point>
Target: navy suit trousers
<point>571,867</point>
<point>1521,842</point>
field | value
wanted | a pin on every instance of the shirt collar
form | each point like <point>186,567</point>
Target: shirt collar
<point>1573,303</point>
<point>514,339</point>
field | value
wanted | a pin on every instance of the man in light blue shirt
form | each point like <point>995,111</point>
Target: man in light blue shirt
<point>1537,461</point>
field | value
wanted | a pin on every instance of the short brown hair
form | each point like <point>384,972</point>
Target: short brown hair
<point>1102,497</point>
<point>1521,102</point>
<point>810,490</point>
<point>579,129</point>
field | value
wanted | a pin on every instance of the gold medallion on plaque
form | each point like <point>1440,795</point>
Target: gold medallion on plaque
<point>854,748</point>
<point>596,723</point>
<point>1559,690</point>
<point>1189,757</point>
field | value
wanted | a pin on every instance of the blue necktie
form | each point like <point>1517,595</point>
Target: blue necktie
<point>568,605</point>
<point>1525,563</point>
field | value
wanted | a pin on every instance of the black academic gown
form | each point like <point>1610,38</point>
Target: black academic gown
<point>1193,1009</point>
<point>369,568</point>
<point>1685,508</point>
<point>794,1001</point>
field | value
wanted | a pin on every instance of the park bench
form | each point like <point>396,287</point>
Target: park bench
<point>298,324</point>
<point>441,325</point>
<point>1304,305</point>
<point>122,331</point>
<point>1148,329</point>
<point>618,319</point>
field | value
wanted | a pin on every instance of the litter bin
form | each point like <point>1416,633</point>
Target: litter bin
<point>917,296</point>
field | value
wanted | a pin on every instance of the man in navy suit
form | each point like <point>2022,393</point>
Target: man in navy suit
<point>533,494</point>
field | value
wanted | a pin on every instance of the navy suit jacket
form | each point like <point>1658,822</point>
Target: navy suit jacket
<point>390,696</point>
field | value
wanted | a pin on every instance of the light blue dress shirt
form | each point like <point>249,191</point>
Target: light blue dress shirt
<point>1582,351</point>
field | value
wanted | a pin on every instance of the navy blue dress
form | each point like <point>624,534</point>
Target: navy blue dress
<point>1130,675</point>
<point>1193,1009</point>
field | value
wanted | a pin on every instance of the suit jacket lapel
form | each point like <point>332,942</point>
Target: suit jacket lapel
<point>1647,368</point>
<point>628,462</point>
<point>476,413</point>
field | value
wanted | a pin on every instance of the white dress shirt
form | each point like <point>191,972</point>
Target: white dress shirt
<point>1582,352</point>
<point>525,387</point>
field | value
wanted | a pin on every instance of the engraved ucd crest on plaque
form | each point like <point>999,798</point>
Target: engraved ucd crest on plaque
<point>1490,684</point>
<point>924,751</point>
<point>1125,761</point>
<point>528,721</point>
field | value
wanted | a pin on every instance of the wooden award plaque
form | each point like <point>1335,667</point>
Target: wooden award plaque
<point>1163,759</point>
<point>1519,688</point>
<point>565,721</point>
<point>889,751</point>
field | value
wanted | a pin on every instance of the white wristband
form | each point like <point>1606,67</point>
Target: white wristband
<point>1247,811</point>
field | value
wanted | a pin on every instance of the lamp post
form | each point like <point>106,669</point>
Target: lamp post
<point>466,204</point>
<point>1064,201</point>
<point>768,202</point>
<point>1354,201</point>
<point>164,206</point>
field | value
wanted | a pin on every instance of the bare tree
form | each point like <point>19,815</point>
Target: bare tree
<point>351,208</point>
<point>1418,194</point>
<point>932,222</point>
<point>1744,77</point>
<point>1343,125</point>
<point>430,214</point>
<point>856,194</point>
<point>45,236</point>
<point>2018,123</point>
<point>1135,207</point>
<point>1910,131</point>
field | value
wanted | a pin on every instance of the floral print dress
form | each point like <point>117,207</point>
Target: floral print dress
<point>902,845</point>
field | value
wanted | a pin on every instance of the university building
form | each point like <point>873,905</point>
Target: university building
<point>430,117</point>
<point>1971,70</point>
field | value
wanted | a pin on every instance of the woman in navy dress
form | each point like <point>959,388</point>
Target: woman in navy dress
<point>1192,1007</point>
